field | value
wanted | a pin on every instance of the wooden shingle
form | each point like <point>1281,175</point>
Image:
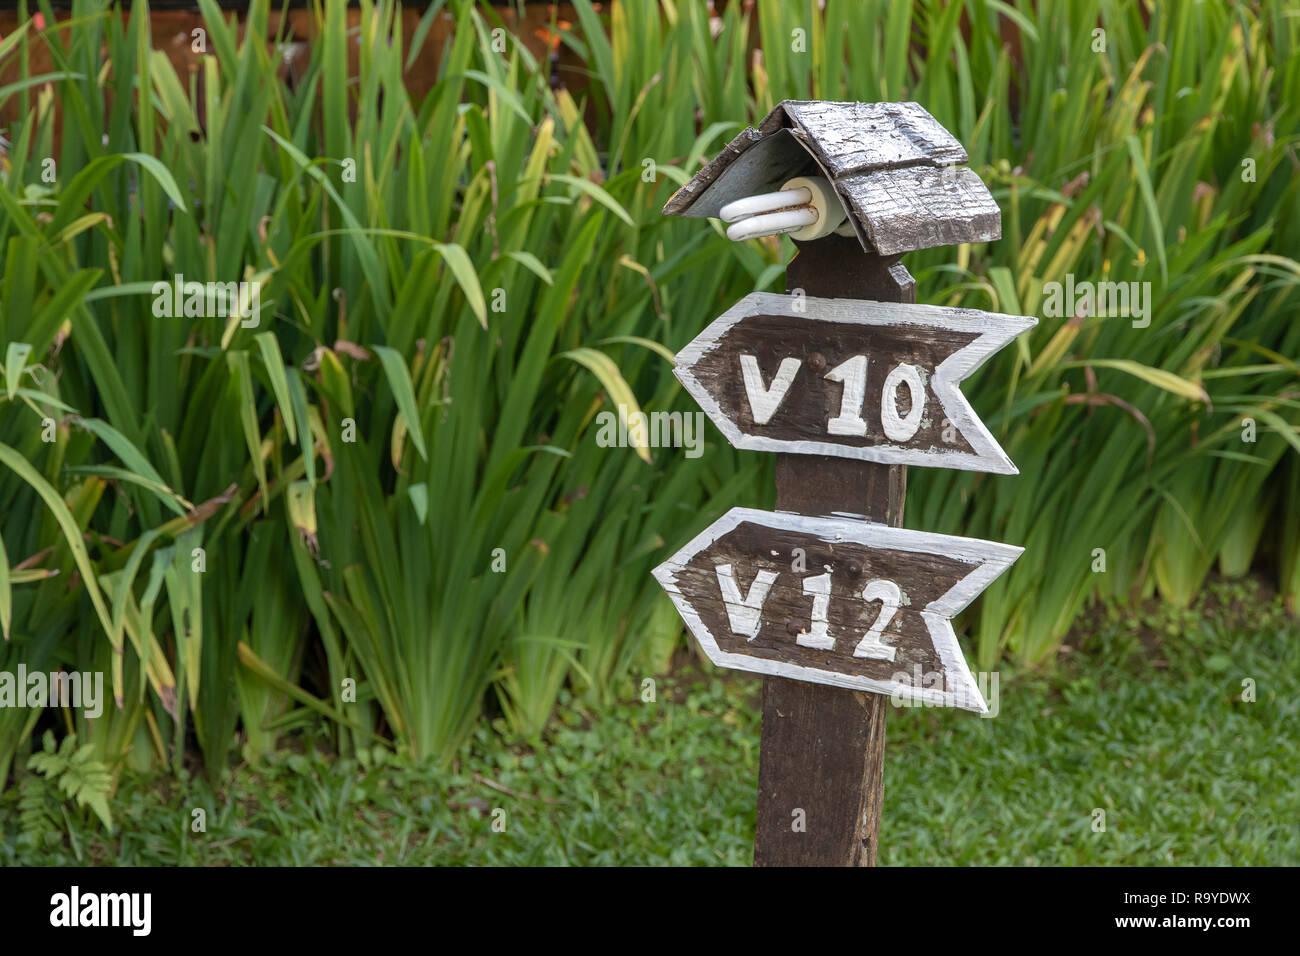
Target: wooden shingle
<point>892,164</point>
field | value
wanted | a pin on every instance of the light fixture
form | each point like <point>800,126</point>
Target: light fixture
<point>805,208</point>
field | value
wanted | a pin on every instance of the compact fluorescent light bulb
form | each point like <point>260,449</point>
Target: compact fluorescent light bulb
<point>804,208</point>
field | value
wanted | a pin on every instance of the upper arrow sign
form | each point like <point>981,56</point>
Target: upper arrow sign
<point>875,381</point>
<point>835,601</point>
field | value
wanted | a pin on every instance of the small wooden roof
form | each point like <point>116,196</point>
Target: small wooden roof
<point>895,168</point>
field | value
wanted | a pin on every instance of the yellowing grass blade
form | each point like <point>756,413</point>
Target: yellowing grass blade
<point>6,593</point>
<point>619,392</point>
<point>1192,391</point>
<point>71,533</point>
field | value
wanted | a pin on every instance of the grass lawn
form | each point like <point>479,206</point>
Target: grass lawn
<point>1143,717</point>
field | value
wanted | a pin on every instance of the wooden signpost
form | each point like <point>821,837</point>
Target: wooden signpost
<point>849,382</point>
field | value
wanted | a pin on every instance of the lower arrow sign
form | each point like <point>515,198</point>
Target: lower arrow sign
<point>836,601</point>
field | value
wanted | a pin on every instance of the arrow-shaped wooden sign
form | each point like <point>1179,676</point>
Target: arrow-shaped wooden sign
<point>876,381</point>
<point>837,601</point>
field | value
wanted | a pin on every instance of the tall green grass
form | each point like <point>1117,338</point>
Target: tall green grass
<point>383,509</point>
<point>392,478</point>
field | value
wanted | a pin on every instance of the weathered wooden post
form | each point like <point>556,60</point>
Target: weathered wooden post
<point>850,382</point>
